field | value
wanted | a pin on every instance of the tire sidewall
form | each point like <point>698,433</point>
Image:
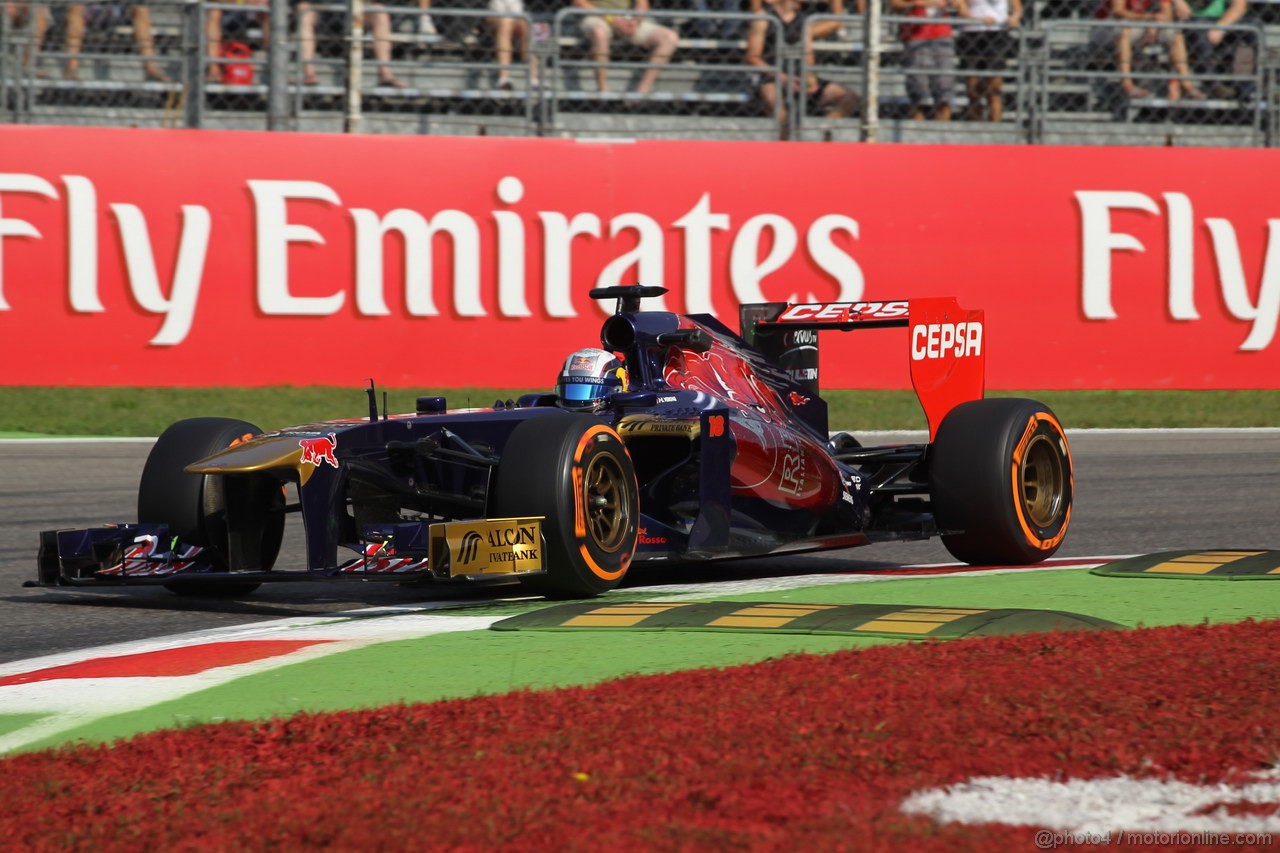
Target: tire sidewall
<point>544,464</point>
<point>606,566</point>
<point>975,466</point>
<point>1041,424</point>
<point>169,495</point>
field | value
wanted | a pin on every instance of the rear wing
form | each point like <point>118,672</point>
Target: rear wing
<point>946,343</point>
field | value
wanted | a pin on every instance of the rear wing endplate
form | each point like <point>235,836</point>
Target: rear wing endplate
<point>946,344</point>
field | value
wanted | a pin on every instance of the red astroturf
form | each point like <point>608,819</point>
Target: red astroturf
<point>184,661</point>
<point>799,753</point>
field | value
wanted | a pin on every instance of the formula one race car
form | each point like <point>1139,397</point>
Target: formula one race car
<point>680,440</point>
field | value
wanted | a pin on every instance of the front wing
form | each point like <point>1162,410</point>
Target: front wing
<point>130,554</point>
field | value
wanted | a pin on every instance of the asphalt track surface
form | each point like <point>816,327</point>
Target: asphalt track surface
<point>1136,492</point>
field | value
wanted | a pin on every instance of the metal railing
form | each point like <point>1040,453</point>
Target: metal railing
<point>1080,90</point>
<point>704,79</point>
<point>365,67</point>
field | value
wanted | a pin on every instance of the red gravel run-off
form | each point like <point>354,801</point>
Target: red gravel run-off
<point>801,753</point>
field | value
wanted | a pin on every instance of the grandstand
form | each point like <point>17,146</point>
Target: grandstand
<point>1059,87</point>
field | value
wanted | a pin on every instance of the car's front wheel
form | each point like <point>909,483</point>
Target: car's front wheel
<point>194,506</point>
<point>1001,482</point>
<point>573,470</point>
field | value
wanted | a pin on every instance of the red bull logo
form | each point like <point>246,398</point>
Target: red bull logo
<point>317,450</point>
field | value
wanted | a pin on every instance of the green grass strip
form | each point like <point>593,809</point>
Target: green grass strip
<point>485,662</point>
<point>147,411</point>
<point>14,722</point>
<point>446,666</point>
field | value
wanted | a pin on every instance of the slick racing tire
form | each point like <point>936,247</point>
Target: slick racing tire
<point>573,470</point>
<point>194,505</point>
<point>1000,480</point>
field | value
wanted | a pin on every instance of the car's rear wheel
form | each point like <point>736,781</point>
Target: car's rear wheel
<point>1001,483</point>
<point>194,506</point>
<point>575,472</point>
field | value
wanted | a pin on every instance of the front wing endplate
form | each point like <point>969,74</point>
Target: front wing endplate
<point>495,546</point>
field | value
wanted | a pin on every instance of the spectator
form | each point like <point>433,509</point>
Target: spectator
<point>507,28</point>
<point>716,28</point>
<point>376,18</point>
<point>1213,50</point>
<point>1124,38</point>
<point>825,96</point>
<point>308,19</point>
<point>20,18</point>
<point>426,26</point>
<point>987,46</point>
<point>930,55</point>
<point>74,40</point>
<point>640,31</point>
<point>213,29</point>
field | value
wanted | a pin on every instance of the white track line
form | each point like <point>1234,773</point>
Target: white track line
<point>402,620</point>
<point>73,702</point>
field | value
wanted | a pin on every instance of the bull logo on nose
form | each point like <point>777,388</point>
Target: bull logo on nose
<point>317,450</point>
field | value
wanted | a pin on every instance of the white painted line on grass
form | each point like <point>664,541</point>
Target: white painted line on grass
<point>384,619</point>
<point>1105,807</point>
<point>707,590</point>
<point>71,702</point>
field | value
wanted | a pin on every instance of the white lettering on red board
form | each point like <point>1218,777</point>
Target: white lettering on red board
<point>946,340</point>
<point>178,307</point>
<point>1099,239</point>
<point>843,312</point>
<point>761,246</point>
<point>19,227</point>
<point>176,301</point>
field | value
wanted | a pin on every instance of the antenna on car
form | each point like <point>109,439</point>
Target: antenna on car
<point>373,402</point>
<point>384,405</point>
<point>628,295</point>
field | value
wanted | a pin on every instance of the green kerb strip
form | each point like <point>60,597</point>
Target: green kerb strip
<point>894,621</point>
<point>450,666</point>
<point>445,666</point>
<point>1225,564</point>
<point>14,722</point>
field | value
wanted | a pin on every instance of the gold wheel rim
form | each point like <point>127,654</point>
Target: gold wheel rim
<point>608,503</point>
<point>1043,481</point>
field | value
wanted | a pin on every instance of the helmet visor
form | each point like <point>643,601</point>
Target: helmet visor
<point>584,393</point>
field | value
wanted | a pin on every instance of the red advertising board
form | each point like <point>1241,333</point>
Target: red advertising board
<point>148,257</point>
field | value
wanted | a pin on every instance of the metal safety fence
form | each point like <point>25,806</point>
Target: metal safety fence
<point>1098,81</point>
<point>754,69</point>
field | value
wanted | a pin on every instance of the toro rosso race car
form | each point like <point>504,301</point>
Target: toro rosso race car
<point>686,441</point>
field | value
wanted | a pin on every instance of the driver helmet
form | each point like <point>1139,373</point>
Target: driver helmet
<point>588,377</point>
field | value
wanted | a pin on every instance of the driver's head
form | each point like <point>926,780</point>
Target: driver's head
<point>588,377</point>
